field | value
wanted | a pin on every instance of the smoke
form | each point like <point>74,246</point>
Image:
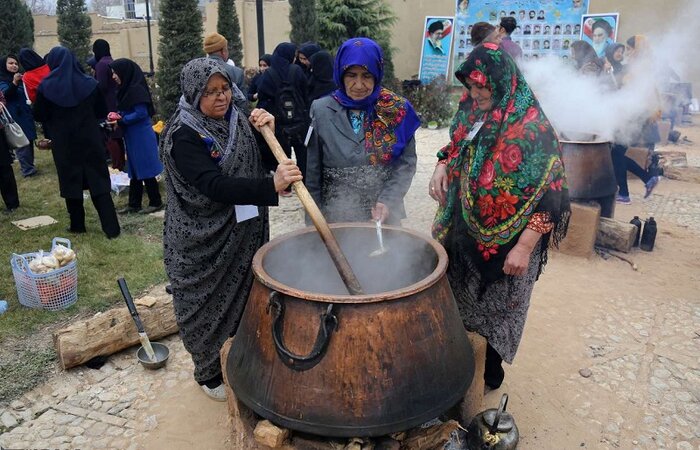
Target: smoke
<point>577,103</point>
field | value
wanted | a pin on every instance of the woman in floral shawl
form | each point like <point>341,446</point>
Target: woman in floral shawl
<point>502,192</point>
<point>361,152</point>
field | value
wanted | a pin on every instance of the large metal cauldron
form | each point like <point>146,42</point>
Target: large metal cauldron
<point>373,364</point>
<point>589,172</point>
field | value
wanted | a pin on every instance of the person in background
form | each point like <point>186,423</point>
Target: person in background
<point>321,82</point>
<point>508,25</point>
<point>216,47</point>
<point>263,65</point>
<point>13,89</point>
<point>306,51</point>
<point>135,109</point>
<point>8,183</point>
<point>502,195</point>
<point>362,150</point>
<point>290,133</point>
<point>614,56</point>
<point>35,70</point>
<point>212,163</point>
<point>70,106</point>
<point>485,32</point>
<point>585,59</point>
<point>103,74</point>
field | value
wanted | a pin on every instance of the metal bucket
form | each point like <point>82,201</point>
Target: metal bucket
<point>373,364</point>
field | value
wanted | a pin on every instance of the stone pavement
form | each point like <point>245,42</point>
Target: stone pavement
<point>639,358</point>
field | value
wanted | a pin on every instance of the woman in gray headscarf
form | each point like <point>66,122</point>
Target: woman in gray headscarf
<point>214,176</point>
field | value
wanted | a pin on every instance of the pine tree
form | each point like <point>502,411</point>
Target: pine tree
<point>302,16</point>
<point>228,26</point>
<point>180,41</point>
<point>74,27</point>
<point>339,20</point>
<point>16,27</point>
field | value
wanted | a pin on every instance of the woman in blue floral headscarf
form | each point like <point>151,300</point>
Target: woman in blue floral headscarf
<point>361,152</point>
<point>502,193</point>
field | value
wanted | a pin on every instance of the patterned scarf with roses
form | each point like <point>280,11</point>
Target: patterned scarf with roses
<point>509,171</point>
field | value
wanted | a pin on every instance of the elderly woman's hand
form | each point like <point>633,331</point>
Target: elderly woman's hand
<point>437,188</point>
<point>380,212</point>
<point>261,118</point>
<point>287,173</point>
<point>518,258</point>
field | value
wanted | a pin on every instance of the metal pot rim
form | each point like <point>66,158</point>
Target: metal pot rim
<point>267,280</point>
<point>565,141</point>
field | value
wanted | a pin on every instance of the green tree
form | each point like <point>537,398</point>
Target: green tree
<point>74,27</point>
<point>180,41</point>
<point>16,27</point>
<point>339,20</point>
<point>302,16</point>
<point>228,26</point>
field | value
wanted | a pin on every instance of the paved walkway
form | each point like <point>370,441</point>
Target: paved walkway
<point>600,366</point>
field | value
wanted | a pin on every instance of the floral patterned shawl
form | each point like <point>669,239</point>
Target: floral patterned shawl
<point>390,120</point>
<point>510,170</point>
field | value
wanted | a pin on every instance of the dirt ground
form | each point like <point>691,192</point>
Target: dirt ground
<point>635,330</point>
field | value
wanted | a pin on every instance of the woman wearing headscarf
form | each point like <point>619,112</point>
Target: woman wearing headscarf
<point>12,88</point>
<point>8,184</point>
<point>306,51</point>
<point>502,196</point>
<point>212,164</point>
<point>362,150</point>
<point>109,88</point>
<point>614,55</point>
<point>292,123</point>
<point>35,70</point>
<point>70,106</point>
<point>586,59</point>
<point>135,107</point>
<point>263,64</point>
<point>321,81</point>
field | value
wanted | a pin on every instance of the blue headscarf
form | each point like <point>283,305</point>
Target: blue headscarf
<point>390,120</point>
<point>362,52</point>
<point>67,85</point>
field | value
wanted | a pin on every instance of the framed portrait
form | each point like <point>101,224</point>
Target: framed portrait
<point>438,33</point>
<point>599,30</point>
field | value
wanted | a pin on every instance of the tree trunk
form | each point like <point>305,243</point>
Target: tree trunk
<point>615,235</point>
<point>113,330</point>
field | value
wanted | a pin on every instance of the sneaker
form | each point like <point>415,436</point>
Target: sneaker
<point>128,210</point>
<point>624,199</point>
<point>218,393</point>
<point>650,185</point>
<point>151,209</point>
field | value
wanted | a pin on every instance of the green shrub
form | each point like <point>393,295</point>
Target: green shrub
<point>432,102</point>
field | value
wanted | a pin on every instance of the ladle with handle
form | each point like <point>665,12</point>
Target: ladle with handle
<point>143,337</point>
<point>380,238</point>
<point>341,263</point>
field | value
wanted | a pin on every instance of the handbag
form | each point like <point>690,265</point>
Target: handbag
<point>13,132</point>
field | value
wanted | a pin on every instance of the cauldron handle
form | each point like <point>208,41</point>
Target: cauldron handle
<point>329,322</point>
<point>499,413</point>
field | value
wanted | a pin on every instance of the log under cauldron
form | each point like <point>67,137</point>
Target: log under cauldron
<point>311,358</point>
<point>589,170</point>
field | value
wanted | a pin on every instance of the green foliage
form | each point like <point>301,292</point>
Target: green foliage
<point>74,27</point>
<point>180,41</point>
<point>339,20</point>
<point>302,16</point>
<point>16,27</point>
<point>228,26</point>
<point>431,101</point>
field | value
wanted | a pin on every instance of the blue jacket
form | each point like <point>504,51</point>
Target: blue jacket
<point>18,108</point>
<point>141,145</point>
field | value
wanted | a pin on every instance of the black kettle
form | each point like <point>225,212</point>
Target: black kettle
<point>493,429</point>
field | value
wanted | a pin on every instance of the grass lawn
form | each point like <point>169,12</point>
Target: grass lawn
<point>136,255</point>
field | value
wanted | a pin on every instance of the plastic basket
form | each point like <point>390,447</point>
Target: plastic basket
<point>54,290</point>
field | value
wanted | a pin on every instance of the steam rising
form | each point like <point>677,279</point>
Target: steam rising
<point>584,104</point>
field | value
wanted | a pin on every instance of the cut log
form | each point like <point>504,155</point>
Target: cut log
<point>270,435</point>
<point>689,174</point>
<point>672,158</point>
<point>243,419</point>
<point>615,235</point>
<point>430,438</point>
<point>111,331</point>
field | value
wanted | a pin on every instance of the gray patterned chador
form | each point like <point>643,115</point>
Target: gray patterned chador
<point>212,164</point>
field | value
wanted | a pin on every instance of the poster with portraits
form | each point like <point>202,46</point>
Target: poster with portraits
<point>438,34</point>
<point>600,30</point>
<point>543,28</point>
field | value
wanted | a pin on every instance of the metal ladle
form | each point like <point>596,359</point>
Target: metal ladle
<point>381,250</point>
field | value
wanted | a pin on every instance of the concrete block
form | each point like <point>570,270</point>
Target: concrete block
<point>583,228</point>
<point>664,129</point>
